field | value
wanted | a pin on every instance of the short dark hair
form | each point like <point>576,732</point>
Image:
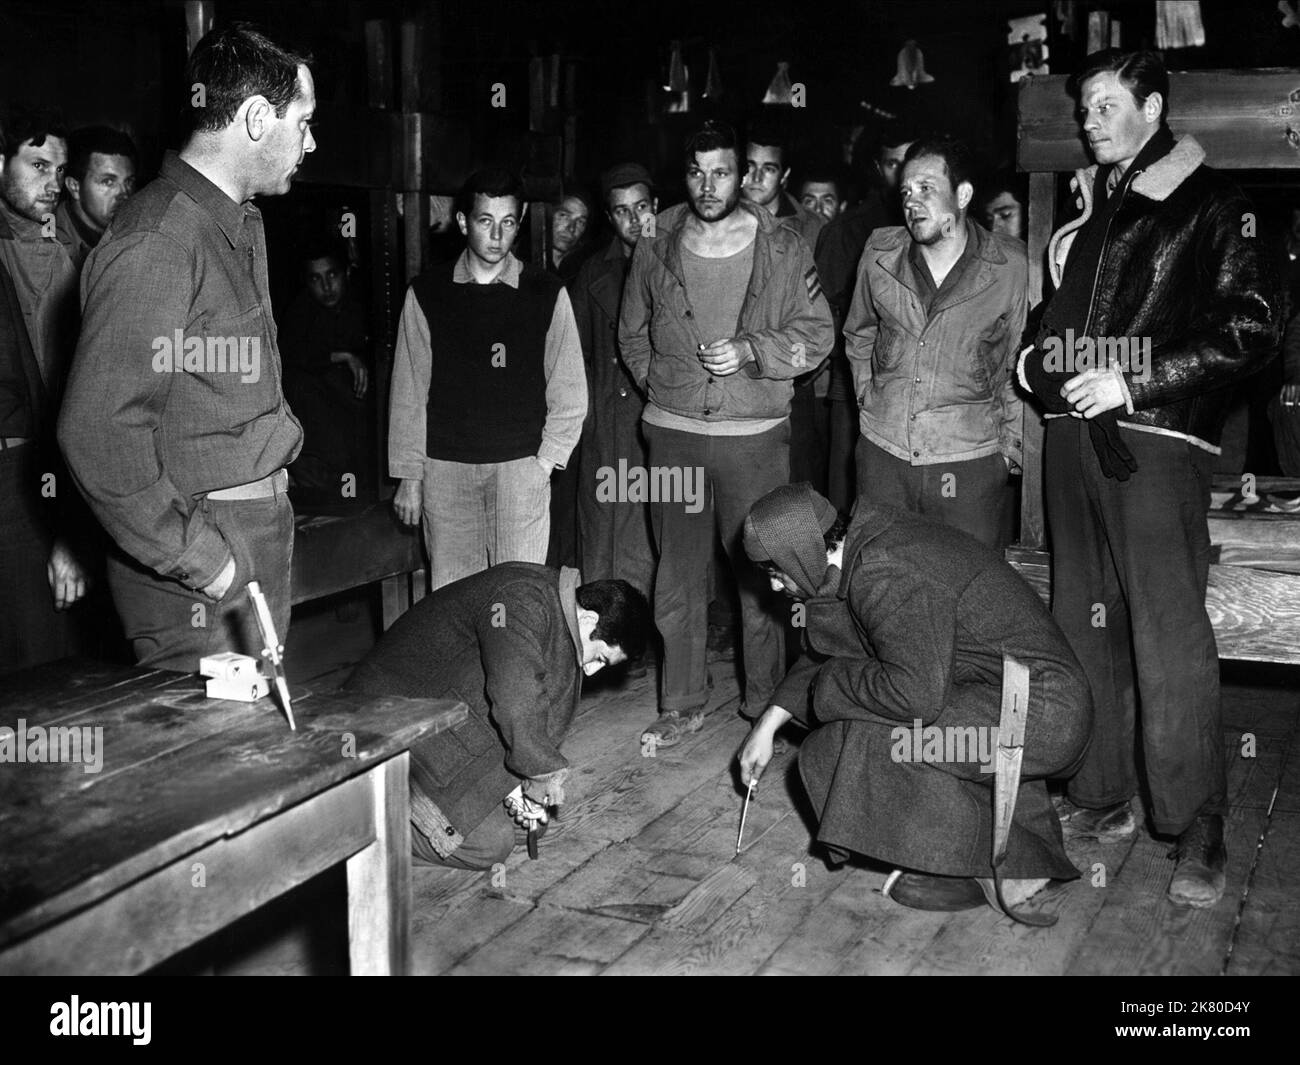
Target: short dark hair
<point>711,137</point>
<point>955,153</point>
<point>34,124</point>
<point>233,63</point>
<point>624,615</point>
<point>325,246</point>
<point>85,142</point>
<point>823,173</point>
<point>493,182</point>
<point>1141,72</point>
<point>766,134</point>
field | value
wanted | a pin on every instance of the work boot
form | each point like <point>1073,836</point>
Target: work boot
<point>1201,856</point>
<point>1107,825</point>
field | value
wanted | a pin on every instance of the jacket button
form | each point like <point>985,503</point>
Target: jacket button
<point>450,831</point>
<point>918,380</point>
<point>922,343</point>
<point>688,314</point>
<point>916,454</point>
<point>622,392</point>
<point>707,411</point>
<point>913,417</point>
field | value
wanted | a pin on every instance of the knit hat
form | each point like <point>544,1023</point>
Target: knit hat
<point>624,174</point>
<point>788,527</point>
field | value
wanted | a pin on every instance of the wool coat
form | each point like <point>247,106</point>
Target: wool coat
<point>911,637</point>
<point>505,642</point>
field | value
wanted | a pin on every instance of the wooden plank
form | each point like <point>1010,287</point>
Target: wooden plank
<point>1267,941</point>
<point>443,935</point>
<point>188,900</point>
<point>1139,931</point>
<point>553,941</point>
<point>1240,117</point>
<point>379,878</point>
<point>1255,613</point>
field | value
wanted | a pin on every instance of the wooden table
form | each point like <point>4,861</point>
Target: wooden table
<point>202,811</point>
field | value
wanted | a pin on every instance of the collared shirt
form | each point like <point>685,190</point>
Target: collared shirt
<point>45,278</point>
<point>566,380</point>
<point>79,238</point>
<point>930,292</point>
<point>175,390</point>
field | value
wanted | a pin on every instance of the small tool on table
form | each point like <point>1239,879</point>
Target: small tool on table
<point>273,651</point>
<point>744,812</point>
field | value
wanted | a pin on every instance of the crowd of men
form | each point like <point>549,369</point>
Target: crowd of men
<point>739,370</point>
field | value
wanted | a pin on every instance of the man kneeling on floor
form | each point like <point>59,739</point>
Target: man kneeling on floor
<point>512,643</point>
<point>907,623</point>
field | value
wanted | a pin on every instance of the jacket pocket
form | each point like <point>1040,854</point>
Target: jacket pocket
<point>450,753</point>
<point>890,346</point>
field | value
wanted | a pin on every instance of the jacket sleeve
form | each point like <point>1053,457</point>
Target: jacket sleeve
<point>807,331</point>
<point>1010,407</point>
<point>408,395</point>
<point>114,403</point>
<point>512,643</point>
<point>792,694</point>
<point>635,313</point>
<point>566,386</point>
<point>860,328</point>
<point>905,670</point>
<point>1238,321</point>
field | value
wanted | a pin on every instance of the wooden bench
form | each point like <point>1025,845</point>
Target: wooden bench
<point>335,554</point>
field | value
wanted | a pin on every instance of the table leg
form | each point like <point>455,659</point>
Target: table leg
<point>379,879</point>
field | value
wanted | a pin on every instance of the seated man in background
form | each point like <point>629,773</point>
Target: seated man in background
<point>324,345</point>
<point>512,642</point>
<point>907,623</point>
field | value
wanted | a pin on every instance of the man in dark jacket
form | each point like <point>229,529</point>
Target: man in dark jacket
<point>907,623</point>
<point>42,567</point>
<point>1161,303</point>
<point>513,643</point>
<point>613,534</point>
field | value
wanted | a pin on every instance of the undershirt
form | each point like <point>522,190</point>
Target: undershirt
<point>716,289</point>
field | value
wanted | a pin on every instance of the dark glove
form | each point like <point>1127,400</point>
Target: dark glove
<point>1113,455</point>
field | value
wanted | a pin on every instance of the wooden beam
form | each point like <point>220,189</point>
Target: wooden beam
<point>380,76</point>
<point>1244,119</point>
<point>1042,211</point>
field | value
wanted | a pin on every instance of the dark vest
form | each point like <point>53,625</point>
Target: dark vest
<point>487,391</point>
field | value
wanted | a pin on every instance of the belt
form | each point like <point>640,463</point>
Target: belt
<point>272,484</point>
<point>6,442</point>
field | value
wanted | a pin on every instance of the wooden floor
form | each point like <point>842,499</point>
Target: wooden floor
<point>639,876</point>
